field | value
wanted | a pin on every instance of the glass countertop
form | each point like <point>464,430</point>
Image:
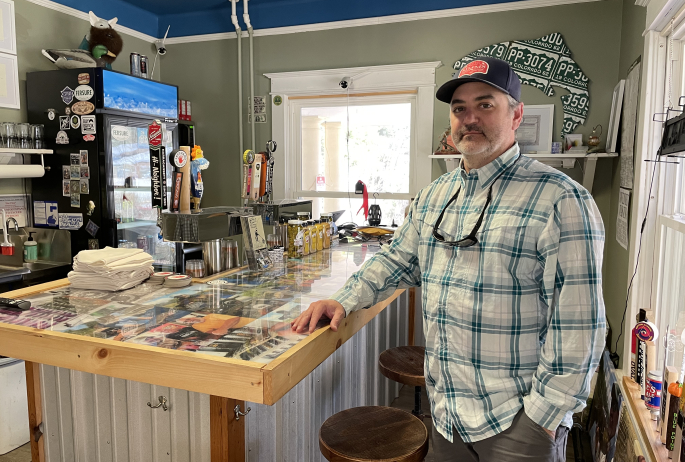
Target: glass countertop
<point>245,315</point>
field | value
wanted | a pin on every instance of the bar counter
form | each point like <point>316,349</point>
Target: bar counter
<point>227,338</point>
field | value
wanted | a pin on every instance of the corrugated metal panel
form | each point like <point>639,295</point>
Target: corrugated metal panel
<point>289,430</point>
<point>91,418</point>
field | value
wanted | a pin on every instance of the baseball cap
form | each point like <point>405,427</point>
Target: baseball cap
<point>492,71</point>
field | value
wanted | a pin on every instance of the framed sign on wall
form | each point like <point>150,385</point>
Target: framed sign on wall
<point>534,135</point>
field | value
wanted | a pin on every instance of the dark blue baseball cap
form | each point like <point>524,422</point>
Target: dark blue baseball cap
<point>493,71</point>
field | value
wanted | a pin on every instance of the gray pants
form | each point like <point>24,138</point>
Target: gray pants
<point>523,441</point>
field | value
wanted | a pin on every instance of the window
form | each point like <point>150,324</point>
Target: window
<point>379,130</point>
<point>369,140</point>
<point>661,277</point>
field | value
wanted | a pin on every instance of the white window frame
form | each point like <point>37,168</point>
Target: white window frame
<point>654,99</point>
<point>417,77</point>
<point>647,141</point>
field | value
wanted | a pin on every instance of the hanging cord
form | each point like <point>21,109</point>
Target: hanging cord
<point>614,355</point>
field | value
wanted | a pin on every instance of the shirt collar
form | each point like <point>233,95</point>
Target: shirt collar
<point>488,173</point>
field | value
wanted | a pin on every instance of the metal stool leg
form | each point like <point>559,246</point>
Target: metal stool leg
<point>417,403</point>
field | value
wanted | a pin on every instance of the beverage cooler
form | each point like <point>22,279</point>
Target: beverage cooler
<point>96,122</point>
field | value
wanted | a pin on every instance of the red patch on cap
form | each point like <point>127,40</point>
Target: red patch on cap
<point>475,67</point>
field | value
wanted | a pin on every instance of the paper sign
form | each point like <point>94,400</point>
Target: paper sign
<point>622,217</point>
<point>70,221</point>
<point>45,213</point>
<point>257,232</point>
<point>15,206</point>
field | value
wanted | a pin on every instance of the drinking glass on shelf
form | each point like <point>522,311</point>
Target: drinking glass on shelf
<point>38,135</point>
<point>9,134</point>
<point>24,136</point>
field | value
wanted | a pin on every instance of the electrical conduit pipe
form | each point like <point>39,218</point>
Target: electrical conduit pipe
<point>238,31</point>
<point>246,18</point>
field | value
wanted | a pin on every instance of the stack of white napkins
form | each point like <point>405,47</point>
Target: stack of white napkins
<point>110,269</point>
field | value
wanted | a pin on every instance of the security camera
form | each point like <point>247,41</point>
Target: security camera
<point>345,82</point>
<point>161,49</point>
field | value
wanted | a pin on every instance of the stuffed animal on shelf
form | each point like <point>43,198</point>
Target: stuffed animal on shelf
<point>102,38</point>
<point>99,48</point>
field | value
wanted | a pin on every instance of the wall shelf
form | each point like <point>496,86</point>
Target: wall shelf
<point>568,160</point>
<point>21,170</point>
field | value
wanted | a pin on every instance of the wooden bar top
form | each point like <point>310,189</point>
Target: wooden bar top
<point>228,337</point>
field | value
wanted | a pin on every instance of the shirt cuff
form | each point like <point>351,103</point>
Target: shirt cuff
<point>347,299</point>
<point>542,412</point>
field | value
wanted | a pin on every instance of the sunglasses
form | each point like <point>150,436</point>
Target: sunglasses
<point>470,239</point>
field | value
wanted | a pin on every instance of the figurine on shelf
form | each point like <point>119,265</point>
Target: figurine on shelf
<point>593,139</point>
<point>446,145</point>
<point>197,163</point>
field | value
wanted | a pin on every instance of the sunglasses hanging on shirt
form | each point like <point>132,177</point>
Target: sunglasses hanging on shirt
<point>470,239</point>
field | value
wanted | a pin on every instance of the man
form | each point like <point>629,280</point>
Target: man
<point>508,253</point>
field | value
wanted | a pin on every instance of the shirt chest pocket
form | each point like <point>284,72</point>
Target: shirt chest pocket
<point>509,245</point>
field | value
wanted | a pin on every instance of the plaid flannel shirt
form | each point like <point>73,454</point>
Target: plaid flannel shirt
<point>516,320</point>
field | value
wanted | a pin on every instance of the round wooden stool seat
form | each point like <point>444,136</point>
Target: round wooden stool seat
<point>373,433</point>
<point>404,365</point>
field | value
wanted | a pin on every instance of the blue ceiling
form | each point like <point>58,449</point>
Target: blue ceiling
<point>198,17</point>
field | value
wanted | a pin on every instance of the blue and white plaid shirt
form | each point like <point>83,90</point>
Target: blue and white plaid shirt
<point>516,320</point>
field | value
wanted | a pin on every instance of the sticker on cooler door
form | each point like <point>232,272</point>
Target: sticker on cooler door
<point>88,137</point>
<point>88,125</point>
<point>67,111</point>
<point>75,121</point>
<point>67,95</point>
<point>51,114</point>
<point>82,108</point>
<point>62,137</point>
<point>64,123</point>
<point>70,220</point>
<point>83,93</point>
<point>84,79</point>
<point>120,133</point>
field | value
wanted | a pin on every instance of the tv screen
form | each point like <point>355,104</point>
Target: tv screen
<point>128,93</point>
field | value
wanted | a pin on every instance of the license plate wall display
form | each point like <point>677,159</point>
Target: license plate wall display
<point>544,63</point>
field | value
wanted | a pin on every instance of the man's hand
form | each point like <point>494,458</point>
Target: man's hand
<point>551,434</point>
<point>329,308</point>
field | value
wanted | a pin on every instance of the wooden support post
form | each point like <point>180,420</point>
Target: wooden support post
<point>412,315</point>
<point>227,435</point>
<point>35,411</point>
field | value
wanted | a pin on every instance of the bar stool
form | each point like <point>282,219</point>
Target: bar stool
<point>405,365</point>
<point>373,433</point>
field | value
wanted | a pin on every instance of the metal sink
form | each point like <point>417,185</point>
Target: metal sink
<point>12,273</point>
<point>30,270</point>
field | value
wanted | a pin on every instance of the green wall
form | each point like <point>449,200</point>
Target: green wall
<point>37,28</point>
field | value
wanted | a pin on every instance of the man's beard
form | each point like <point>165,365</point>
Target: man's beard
<point>484,146</point>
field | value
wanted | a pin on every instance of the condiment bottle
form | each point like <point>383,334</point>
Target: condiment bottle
<point>295,239</point>
<point>319,230</point>
<point>313,236</point>
<point>305,239</point>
